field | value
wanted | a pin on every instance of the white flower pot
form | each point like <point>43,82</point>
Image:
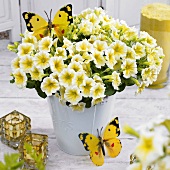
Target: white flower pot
<point>68,124</point>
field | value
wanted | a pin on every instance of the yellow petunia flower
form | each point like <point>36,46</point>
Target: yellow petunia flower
<point>77,58</point>
<point>20,78</point>
<point>92,18</point>
<point>67,43</point>
<point>100,45</point>
<point>149,75</point>
<point>116,81</point>
<point>99,59</point>
<point>45,44</point>
<point>41,60</point>
<point>36,73</point>
<point>26,63</point>
<point>61,52</point>
<point>84,46</point>
<point>15,63</point>
<point>78,107</point>
<point>130,54</point>
<point>110,58</point>
<point>66,77</point>
<point>129,68</point>
<point>76,66</point>
<point>97,91</point>
<point>79,79</point>
<point>73,95</point>
<point>139,50</point>
<point>97,101</point>
<point>28,38</point>
<point>87,57</point>
<point>119,48</point>
<point>55,76</point>
<point>86,27</point>
<point>25,49</point>
<point>56,64</point>
<point>149,148</point>
<point>86,87</point>
<point>50,86</point>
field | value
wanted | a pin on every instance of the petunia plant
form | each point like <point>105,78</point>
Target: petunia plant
<point>152,150</point>
<point>98,57</point>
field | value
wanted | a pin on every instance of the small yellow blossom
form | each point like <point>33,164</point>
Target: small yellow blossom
<point>73,95</point>
<point>25,49</point>
<point>45,44</point>
<point>78,107</point>
<point>77,58</point>
<point>97,79</point>
<point>66,77</point>
<point>86,87</point>
<point>163,164</point>
<point>76,66</point>
<point>116,81</point>
<point>87,57</point>
<point>130,54</point>
<point>56,64</point>
<point>149,75</point>
<point>129,68</point>
<point>149,148</point>
<point>20,78</point>
<point>148,40</point>
<point>110,58</point>
<point>49,86</point>
<point>141,88</point>
<point>67,43</point>
<point>92,18</point>
<point>79,79</point>
<point>100,45</point>
<point>41,60</point>
<point>119,48</point>
<point>26,63</point>
<point>36,73</point>
<point>55,41</point>
<point>86,27</point>
<point>28,38</point>
<point>84,46</point>
<point>139,50</point>
<point>97,91</point>
<point>97,101</point>
<point>15,63</point>
<point>61,52</point>
<point>99,59</point>
<point>130,34</point>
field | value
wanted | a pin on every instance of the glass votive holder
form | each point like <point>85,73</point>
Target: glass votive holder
<point>39,144</point>
<point>13,127</point>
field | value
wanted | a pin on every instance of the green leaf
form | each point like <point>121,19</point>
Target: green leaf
<point>12,81</point>
<point>39,91</point>
<point>109,90</point>
<point>2,166</point>
<point>121,87</point>
<point>129,82</point>
<point>31,84</point>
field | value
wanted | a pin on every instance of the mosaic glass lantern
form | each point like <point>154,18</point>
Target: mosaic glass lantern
<point>39,144</point>
<point>13,128</point>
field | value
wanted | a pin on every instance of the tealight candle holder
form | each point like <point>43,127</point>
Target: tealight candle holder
<point>39,143</point>
<point>13,128</point>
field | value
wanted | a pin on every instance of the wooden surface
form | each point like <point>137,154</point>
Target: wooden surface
<point>131,109</point>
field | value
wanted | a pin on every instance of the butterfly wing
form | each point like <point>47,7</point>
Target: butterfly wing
<point>113,147</point>
<point>112,143</point>
<point>62,19</point>
<point>36,24</point>
<point>92,143</point>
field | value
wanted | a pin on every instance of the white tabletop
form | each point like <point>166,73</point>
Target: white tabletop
<point>131,109</point>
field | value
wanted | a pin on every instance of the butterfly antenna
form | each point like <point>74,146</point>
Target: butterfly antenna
<point>47,16</point>
<point>101,131</point>
<point>50,14</point>
<point>98,132</point>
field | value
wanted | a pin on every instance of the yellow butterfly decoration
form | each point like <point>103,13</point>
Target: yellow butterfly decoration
<point>96,144</point>
<point>41,28</point>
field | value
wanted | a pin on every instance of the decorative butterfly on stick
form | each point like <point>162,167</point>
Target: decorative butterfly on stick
<point>41,28</point>
<point>96,144</point>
